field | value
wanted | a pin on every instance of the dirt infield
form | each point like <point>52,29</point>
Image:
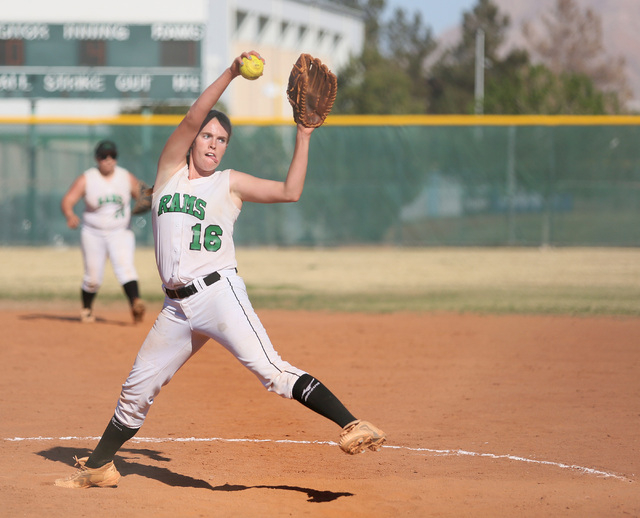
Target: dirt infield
<point>486,416</point>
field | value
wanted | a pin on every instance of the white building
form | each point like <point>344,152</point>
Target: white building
<point>279,29</point>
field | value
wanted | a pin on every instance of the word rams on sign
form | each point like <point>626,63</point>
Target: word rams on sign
<point>177,32</point>
<point>183,83</point>
<point>15,83</point>
<point>135,83</point>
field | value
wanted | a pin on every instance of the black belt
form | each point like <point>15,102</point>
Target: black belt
<point>190,289</point>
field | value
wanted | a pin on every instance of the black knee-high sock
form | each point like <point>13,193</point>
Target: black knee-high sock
<point>87,299</point>
<point>314,395</point>
<point>114,436</point>
<point>131,290</point>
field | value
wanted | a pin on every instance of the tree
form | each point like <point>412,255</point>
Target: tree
<point>513,85</point>
<point>452,81</point>
<point>409,44</point>
<point>568,40</point>
<point>535,89</point>
<point>373,84</point>
<point>372,10</point>
<point>389,77</point>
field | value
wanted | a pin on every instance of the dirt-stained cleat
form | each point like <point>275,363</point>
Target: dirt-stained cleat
<point>105,476</point>
<point>86,316</point>
<point>359,436</point>
<point>137,310</point>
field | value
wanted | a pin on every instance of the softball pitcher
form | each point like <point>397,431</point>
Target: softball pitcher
<point>194,208</point>
<point>107,190</point>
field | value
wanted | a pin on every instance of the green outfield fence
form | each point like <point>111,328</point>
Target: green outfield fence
<point>373,180</point>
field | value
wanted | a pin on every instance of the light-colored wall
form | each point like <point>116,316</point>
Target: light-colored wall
<point>121,11</point>
<point>280,30</point>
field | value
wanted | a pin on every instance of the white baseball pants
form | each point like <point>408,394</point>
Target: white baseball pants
<point>98,245</point>
<point>222,312</point>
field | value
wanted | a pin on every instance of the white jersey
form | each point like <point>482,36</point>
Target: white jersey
<point>193,224</point>
<point>107,200</point>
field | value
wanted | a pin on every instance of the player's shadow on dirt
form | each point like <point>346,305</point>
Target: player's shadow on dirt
<point>75,320</point>
<point>313,494</point>
<point>128,466</point>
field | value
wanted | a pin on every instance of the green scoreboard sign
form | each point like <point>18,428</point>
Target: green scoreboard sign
<point>101,60</point>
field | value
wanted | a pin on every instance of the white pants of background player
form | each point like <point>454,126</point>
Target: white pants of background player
<point>222,312</point>
<point>98,245</point>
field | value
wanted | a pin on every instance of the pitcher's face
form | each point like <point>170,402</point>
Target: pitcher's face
<point>209,147</point>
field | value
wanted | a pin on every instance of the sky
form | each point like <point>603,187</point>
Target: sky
<point>440,15</point>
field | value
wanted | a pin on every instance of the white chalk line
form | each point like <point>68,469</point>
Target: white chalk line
<point>444,453</point>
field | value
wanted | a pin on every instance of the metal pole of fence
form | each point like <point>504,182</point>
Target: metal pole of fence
<point>549,186</point>
<point>31,214</point>
<point>511,184</point>
<point>148,172</point>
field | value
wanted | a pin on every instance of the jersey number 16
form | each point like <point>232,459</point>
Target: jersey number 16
<point>210,238</point>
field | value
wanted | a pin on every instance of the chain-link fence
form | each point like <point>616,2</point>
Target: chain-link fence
<point>457,181</point>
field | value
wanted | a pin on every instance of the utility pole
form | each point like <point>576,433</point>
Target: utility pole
<point>479,91</point>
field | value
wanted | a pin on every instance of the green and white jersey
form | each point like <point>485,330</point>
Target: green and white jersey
<point>107,199</point>
<point>193,223</point>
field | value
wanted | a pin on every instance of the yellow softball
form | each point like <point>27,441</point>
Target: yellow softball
<point>251,68</point>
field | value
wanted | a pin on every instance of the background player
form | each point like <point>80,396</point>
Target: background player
<point>194,209</point>
<point>107,190</point>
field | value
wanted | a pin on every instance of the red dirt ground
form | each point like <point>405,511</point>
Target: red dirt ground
<point>485,416</point>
